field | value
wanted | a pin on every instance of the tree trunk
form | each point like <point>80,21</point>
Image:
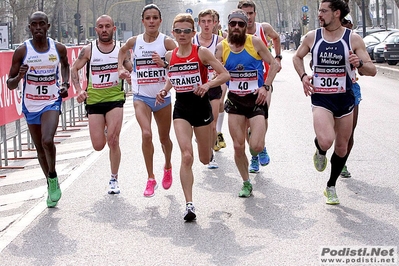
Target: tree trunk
<point>367,10</point>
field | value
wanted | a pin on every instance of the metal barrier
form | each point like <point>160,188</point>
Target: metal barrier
<point>71,112</point>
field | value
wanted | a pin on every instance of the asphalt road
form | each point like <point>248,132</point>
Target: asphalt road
<point>285,222</point>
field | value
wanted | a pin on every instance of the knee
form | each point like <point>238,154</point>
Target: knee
<point>113,142</point>
<point>325,143</point>
<point>205,158</point>
<point>257,148</point>
<point>165,140</point>
<point>187,159</point>
<point>146,136</point>
<point>99,143</point>
<point>341,150</point>
<point>239,148</point>
<point>98,146</point>
<point>47,142</point>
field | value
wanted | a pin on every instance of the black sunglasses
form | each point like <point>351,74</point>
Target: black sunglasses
<point>185,31</point>
<point>233,23</point>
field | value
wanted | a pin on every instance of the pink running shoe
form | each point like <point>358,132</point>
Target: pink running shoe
<point>150,188</point>
<point>167,178</point>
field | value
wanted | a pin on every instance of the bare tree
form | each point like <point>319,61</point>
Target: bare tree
<point>366,8</point>
<point>21,11</point>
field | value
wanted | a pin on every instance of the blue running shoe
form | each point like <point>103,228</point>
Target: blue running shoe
<point>264,158</point>
<point>254,166</point>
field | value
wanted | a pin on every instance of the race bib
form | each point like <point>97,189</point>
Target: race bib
<point>148,72</point>
<point>104,76</point>
<point>243,82</point>
<point>329,79</point>
<point>185,77</point>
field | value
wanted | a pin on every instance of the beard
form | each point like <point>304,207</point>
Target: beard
<point>237,39</point>
<point>107,38</point>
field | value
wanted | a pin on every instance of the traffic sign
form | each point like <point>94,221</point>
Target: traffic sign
<point>305,9</point>
<point>189,10</point>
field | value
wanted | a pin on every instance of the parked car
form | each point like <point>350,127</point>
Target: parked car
<point>391,50</point>
<point>369,30</point>
<point>379,52</point>
<point>373,39</point>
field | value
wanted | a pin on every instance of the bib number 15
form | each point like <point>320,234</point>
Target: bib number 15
<point>329,82</point>
<point>41,90</point>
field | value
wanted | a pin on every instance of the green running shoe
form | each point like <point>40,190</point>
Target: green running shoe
<point>345,173</point>
<point>331,195</point>
<point>51,204</point>
<point>246,190</point>
<point>319,161</point>
<point>53,189</point>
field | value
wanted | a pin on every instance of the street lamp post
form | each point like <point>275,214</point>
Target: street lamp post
<point>364,18</point>
<point>78,26</point>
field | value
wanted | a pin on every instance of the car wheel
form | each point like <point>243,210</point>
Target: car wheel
<point>379,60</point>
<point>392,63</point>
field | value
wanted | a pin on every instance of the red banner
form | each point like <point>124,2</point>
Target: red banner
<point>11,101</point>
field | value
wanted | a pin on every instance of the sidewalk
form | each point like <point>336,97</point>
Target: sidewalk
<point>23,183</point>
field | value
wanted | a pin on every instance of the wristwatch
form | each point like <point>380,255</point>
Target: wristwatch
<point>66,84</point>
<point>279,56</point>
<point>267,87</point>
<point>360,63</point>
<point>166,64</point>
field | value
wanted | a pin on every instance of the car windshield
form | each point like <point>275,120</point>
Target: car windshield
<point>394,38</point>
<point>382,35</point>
<point>370,39</point>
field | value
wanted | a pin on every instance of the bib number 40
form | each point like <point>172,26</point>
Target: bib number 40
<point>243,85</point>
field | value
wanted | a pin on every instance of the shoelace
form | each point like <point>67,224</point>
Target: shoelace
<point>150,185</point>
<point>113,183</point>
<point>254,161</point>
<point>52,184</point>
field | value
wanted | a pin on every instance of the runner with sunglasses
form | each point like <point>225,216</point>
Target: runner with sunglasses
<point>192,111</point>
<point>243,55</point>
<point>264,31</point>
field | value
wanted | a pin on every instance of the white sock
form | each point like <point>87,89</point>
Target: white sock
<point>114,176</point>
<point>219,123</point>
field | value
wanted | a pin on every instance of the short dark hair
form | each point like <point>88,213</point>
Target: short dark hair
<point>151,6</point>
<point>39,14</point>
<point>246,3</point>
